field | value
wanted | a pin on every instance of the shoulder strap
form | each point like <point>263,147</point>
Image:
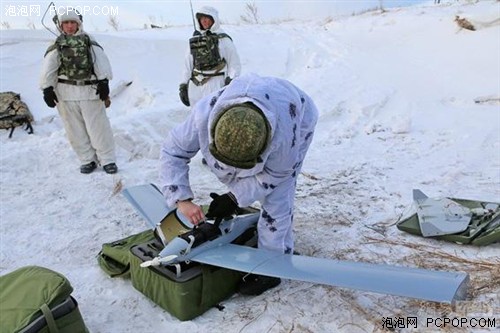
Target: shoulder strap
<point>49,49</point>
<point>224,35</point>
<point>92,42</point>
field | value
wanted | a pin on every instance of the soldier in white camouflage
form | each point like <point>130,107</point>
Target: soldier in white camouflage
<point>254,135</point>
<point>75,77</point>
<point>211,61</point>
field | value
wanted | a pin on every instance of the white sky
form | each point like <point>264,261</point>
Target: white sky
<point>134,13</point>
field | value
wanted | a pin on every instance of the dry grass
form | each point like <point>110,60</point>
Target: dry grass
<point>485,274</point>
<point>310,176</point>
<point>117,188</point>
<point>485,279</point>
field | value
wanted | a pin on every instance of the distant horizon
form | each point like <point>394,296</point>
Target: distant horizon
<point>136,14</point>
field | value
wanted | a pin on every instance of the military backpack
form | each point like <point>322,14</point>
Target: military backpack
<point>14,112</point>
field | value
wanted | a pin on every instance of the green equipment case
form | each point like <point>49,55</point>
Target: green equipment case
<point>35,299</point>
<point>189,289</point>
<point>187,294</point>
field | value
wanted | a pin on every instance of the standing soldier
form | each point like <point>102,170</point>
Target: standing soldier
<point>212,61</point>
<point>74,77</point>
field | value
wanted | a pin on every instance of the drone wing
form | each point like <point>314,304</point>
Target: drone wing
<point>148,201</point>
<point>417,283</point>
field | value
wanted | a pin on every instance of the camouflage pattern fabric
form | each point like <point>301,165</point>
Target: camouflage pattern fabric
<point>74,53</point>
<point>205,51</point>
<point>14,112</point>
<point>240,136</point>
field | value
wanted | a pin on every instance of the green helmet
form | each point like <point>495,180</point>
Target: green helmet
<point>240,134</point>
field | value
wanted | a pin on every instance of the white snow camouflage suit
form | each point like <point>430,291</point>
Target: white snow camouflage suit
<point>227,51</point>
<point>292,116</point>
<point>82,112</point>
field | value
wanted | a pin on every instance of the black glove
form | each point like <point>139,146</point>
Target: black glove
<point>227,80</point>
<point>49,96</point>
<point>103,89</point>
<point>183,94</point>
<point>222,206</point>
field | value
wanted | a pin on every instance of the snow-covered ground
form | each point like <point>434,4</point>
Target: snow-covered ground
<point>396,93</point>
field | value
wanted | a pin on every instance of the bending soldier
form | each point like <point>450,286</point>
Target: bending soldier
<point>254,135</point>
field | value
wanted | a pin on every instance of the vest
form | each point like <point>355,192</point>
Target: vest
<point>75,56</point>
<point>205,51</point>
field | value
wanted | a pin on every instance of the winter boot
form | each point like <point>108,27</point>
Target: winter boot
<point>110,168</point>
<point>253,285</point>
<point>88,168</point>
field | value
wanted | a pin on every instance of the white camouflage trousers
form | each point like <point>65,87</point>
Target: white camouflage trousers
<point>88,130</point>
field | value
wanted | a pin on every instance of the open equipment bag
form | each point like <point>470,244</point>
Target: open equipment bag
<point>483,229</point>
<point>189,289</point>
<point>35,299</point>
<point>186,291</point>
<point>114,257</point>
